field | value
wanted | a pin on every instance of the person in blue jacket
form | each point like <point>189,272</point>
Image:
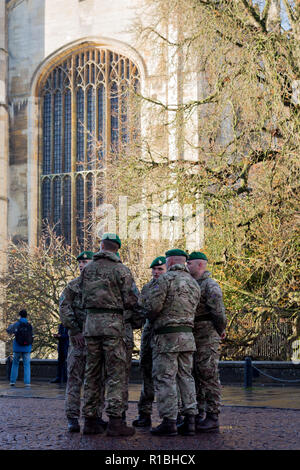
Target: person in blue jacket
<point>20,351</point>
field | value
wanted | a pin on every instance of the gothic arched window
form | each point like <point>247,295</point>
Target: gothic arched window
<point>87,115</point>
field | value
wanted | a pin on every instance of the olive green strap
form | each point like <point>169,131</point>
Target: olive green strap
<point>173,329</point>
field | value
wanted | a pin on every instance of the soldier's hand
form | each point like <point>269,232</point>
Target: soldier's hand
<point>78,340</point>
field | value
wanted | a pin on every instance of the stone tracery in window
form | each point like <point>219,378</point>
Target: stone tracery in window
<point>86,117</point>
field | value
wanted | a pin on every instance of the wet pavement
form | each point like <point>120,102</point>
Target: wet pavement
<point>260,396</point>
<point>263,418</point>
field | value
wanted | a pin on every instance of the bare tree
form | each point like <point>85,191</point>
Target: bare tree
<point>34,280</point>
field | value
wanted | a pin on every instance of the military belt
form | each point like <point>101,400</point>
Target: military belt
<point>206,317</point>
<point>106,310</point>
<point>173,329</point>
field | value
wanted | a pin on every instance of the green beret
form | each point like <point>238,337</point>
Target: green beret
<point>197,255</point>
<point>176,252</point>
<point>113,237</point>
<point>85,255</point>
<point>159,261</point>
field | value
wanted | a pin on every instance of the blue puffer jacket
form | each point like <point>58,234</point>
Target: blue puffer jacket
<point>11,330</point>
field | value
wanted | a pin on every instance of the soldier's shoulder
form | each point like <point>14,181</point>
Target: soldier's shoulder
<point>74,284</point>
<point>148,285</point>
<point>212,285</point>
<point>121,270</point>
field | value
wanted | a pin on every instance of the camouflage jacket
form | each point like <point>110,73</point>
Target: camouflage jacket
<point>71,313</point>
<point>211,303</point>
<point>134,320</point>
<point>173,300</point>
<point>143,301</point>
<point>108,290</point>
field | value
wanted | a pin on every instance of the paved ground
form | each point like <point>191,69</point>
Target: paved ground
<point>34,421</point>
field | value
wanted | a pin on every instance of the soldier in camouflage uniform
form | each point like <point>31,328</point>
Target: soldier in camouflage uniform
<point>158,267</point>
<point>209,329</point>
<point>171,307</point>
<point>108,289</point>
<point>72,317</point>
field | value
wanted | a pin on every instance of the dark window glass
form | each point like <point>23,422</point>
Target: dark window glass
<point>80,128</point>
<point>57,205</point>
<point>47,120</point>
<point>67,210</point>
<point>57,133</point>
<point>114,118</point>
<point>80,210</point>
<point>101,120</point>
<point>68,132</point>
<point>91,115</point>
<point>46,199</point>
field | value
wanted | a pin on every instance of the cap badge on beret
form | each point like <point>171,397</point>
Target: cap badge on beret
<point>159,261</point>
<point>84,255</point>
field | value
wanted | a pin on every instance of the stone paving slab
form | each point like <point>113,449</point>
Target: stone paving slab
<point>39,424</point>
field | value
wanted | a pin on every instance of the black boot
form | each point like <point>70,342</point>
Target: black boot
<point>73,425</point>
<point>143,421</point>
<point>102,422</point>
<point>166,428</point>
<point>199,418</point>
<point>187,427</point>
<point>117,427</point>
<point>209,424</point>
<point>93,426</point>
<point>180,419</point>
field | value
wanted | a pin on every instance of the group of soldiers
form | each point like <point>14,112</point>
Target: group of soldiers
<point>182,314</point>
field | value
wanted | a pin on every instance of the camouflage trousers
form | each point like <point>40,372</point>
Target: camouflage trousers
<point>129,344</point>
<point>76,368</point>
<point>206,373</point>
<point>147,392</point>
<point>108,352</point>
<point>173,371</point>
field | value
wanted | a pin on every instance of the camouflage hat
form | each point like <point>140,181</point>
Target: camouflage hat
<point>113,237</point>
<point>197,255</point>
<point>85,255</point>
<point>176,252</point>
<point>159,261</point>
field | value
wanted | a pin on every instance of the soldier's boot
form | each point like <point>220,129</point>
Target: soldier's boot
<point>117,427</point>
<point>187,427</point>
<point>166,428</point>
<point>199,418</point>
<point>73,425</point>
<point>93,426</point>
<point>102,422</point>
<point>143,421</point>
<point>180,419</point>
<point>209,424</point>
